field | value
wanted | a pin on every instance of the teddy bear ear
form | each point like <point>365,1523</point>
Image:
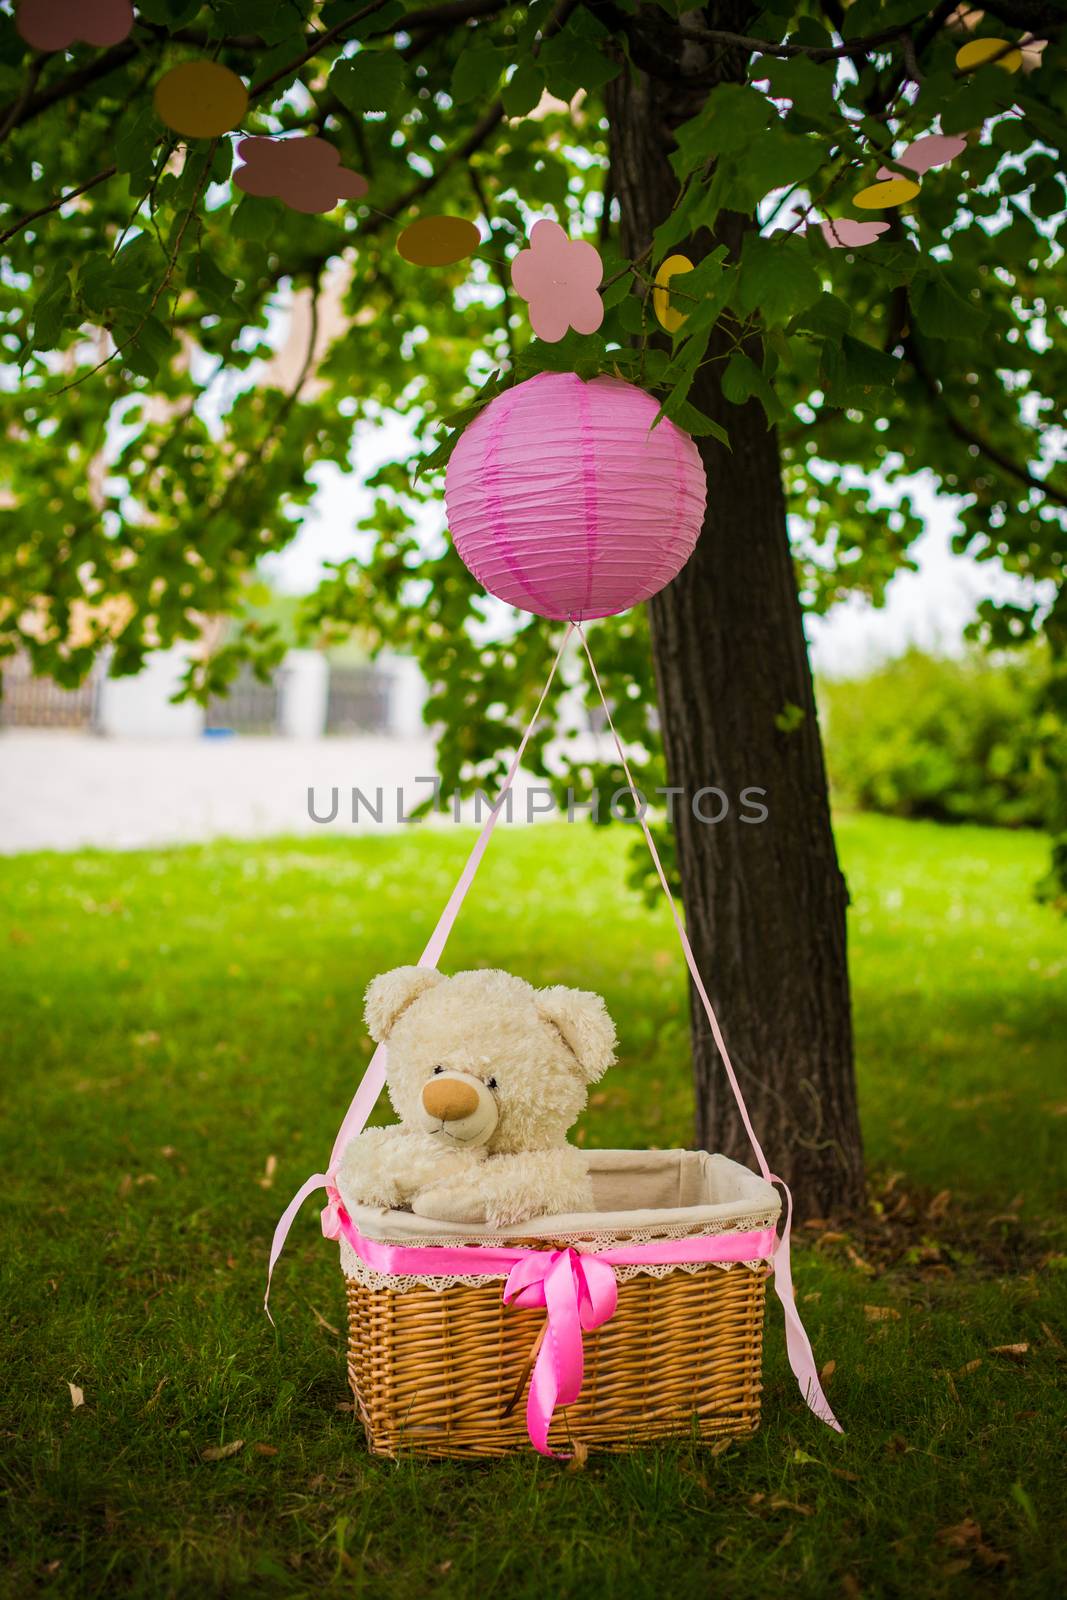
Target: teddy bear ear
<point>582,1018</point>
<point>389,995</point>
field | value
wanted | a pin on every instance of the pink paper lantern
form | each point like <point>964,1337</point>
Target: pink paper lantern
<point>563,499</point>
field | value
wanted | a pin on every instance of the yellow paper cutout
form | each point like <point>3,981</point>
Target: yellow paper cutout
<point>880,196</point>
<point>667,315</point>
<point>200,99</point>
<point>438,241</point>
<point>979,52</point>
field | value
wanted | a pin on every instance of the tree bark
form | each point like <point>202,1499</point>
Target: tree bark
<point>764,902</point>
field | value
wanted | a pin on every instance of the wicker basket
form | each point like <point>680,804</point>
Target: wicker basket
<point>438,1366</point>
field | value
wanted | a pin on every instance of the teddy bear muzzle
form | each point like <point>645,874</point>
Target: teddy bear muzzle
<point>459,1107</point>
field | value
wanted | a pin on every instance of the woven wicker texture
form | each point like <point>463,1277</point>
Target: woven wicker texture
<point>433,1372</point>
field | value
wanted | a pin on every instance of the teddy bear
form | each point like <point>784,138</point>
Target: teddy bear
<point>486,1074</point>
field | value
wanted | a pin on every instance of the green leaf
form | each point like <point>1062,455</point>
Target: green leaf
<point>135,144</point>
<point>940,312</point>
<point>683,369</point>
<point>777,278</point>
<point>216,288</point>
<point>573,60</point>
<point>687,416</point>
<point>148,349</point>
<point>476,75</point>
<point>256,218</point>
<point>776,159</point>
<point>856,375</point>
<point>742,379</point>
<point>731,119</point>
<point>373,80</point>
<point>808,85</point>
<point>52,308</point>
<point>827,315</point>
<point>524,88</point>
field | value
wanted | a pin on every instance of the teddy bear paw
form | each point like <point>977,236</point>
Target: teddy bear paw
<point>442,1203</point>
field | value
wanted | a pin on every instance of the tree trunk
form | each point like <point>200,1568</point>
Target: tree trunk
<point>764,902</point>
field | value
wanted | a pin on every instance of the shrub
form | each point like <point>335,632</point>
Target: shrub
<point>971,740</point>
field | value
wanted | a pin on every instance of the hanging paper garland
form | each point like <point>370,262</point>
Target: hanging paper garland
<point>305,174</point>
<point>667,315</point>
<point>559,278</point>
<point>438,241</point>
<point>883,196</point>
<point>564,500</point>
<point>57,24</point>
<point>983,52</point>
<point>200,99</point>
<point>848,233</point>
<point>933,150</point>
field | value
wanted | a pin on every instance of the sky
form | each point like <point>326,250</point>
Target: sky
<point>929,608</point>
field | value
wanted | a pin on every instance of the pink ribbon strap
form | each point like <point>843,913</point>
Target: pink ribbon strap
<point>373,1080</point>
<point>577,1288</point>
<point>798,1345</point>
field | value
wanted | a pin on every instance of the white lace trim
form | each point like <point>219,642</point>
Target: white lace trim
<point>370,1278</point>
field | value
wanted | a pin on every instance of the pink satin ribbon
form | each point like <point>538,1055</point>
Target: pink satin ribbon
<point>577,1289</point>
<point>798,1346</point>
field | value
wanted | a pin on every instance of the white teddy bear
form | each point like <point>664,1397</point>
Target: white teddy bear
<point>486,1075</point>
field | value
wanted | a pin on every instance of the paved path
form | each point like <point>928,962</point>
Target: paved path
<point>60,791</point>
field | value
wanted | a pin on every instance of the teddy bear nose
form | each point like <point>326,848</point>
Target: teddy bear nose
<point>449,1099</point>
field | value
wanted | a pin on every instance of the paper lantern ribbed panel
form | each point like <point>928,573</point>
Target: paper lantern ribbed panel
<point>563,500</point>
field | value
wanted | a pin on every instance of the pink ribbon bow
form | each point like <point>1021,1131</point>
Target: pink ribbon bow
<point>579,1292</point>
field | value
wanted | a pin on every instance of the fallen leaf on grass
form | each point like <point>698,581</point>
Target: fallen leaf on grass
<point>321,1320</point>
<point>222,1452</point>
<point>579,1457</point>
<point>265,1449</point>
<point>153,1399</point>
<point>777,1503</point>
<point>344,1405</point>
<point>971,1366</point>
<point>1052,1336</point>
<point>720,1447</point>
<point>964,1533</point>
<point>881,1314</point>
<point>827,1371</point>
<point>267,1180</point>
<point>77,1396</point>
<point>1016,1352</point>
<point>831,1238</point>
<point>938,1206</point>
<point>966,1537</point>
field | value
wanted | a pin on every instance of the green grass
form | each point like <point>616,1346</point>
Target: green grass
<point>172,1019</point>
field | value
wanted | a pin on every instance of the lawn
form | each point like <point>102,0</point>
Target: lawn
<point>181,1033</point>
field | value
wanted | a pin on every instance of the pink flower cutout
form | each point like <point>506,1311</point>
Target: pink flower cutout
<point>55,24</point>
<point>933,150</point>
<point>846,233</point>
<point>559,278</point>
<point>305,173</point>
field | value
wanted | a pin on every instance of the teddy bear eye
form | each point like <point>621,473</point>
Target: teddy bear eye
<point>436,1070</point>
<point>490,1083</point>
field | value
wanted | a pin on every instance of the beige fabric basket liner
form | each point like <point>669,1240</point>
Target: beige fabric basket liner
<point>638,1195</point>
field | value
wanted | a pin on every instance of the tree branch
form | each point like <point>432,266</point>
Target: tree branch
<point>959,429</point>
<point>54,205</point>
